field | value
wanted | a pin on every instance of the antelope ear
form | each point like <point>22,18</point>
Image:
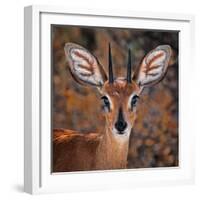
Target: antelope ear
<point>84,66</point>
<point>154,66</point>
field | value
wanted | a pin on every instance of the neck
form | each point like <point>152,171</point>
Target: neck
<point>112,151</point>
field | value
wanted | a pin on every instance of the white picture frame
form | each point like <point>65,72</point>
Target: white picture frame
<point>37,132</point>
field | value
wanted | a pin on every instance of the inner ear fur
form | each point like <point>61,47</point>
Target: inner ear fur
<point>84,66</point>
<point>153,67</point>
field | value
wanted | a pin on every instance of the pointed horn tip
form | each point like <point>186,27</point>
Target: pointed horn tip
<point>111,79</point>
<point>109,48</point>
<point>129,66</point>
<point>129,52</point>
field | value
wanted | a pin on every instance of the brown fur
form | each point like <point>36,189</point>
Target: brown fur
<point>73,151</point>
<point>120,92</point>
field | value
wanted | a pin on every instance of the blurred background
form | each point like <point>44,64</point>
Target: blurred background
<point>154,139</point>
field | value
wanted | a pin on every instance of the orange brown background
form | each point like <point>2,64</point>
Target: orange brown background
<point>154,139</point>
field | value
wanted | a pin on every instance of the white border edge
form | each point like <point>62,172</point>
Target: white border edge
<point>27,99</point>
<point>31,100</point>
<point>31,33</point>
<point>113,13</point>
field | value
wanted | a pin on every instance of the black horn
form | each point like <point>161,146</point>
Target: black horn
<point>129,67</point>
<point>110,70</point>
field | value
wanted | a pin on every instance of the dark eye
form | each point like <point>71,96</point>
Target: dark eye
<point>134,101</point>
<point>106,103</point>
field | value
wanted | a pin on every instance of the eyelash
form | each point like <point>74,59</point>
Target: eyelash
<point>134,101</point>
<point>106,102</point>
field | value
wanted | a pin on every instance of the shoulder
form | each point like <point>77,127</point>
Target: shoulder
<point>65,135</point>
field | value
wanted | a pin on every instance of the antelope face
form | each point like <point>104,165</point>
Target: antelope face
<point>119,102</point>
<point>119,96</point>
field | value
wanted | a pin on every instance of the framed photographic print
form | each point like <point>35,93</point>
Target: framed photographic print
<point>105,99</point>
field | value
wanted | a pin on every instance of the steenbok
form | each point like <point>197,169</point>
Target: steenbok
<point>73,151</point>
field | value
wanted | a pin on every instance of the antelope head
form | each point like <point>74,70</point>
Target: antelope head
<point>119,96</point>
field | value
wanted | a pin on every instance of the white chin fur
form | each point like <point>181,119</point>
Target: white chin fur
<point>125,134</point>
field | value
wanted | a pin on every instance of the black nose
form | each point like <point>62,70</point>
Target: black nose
<point>120,125</point>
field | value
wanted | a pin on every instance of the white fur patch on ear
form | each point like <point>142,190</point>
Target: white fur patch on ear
<point>84,67</point>
<point>154,66</point>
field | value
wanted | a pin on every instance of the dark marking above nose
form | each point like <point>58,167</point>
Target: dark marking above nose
<point>120,115</point>
<point>120,125</point>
